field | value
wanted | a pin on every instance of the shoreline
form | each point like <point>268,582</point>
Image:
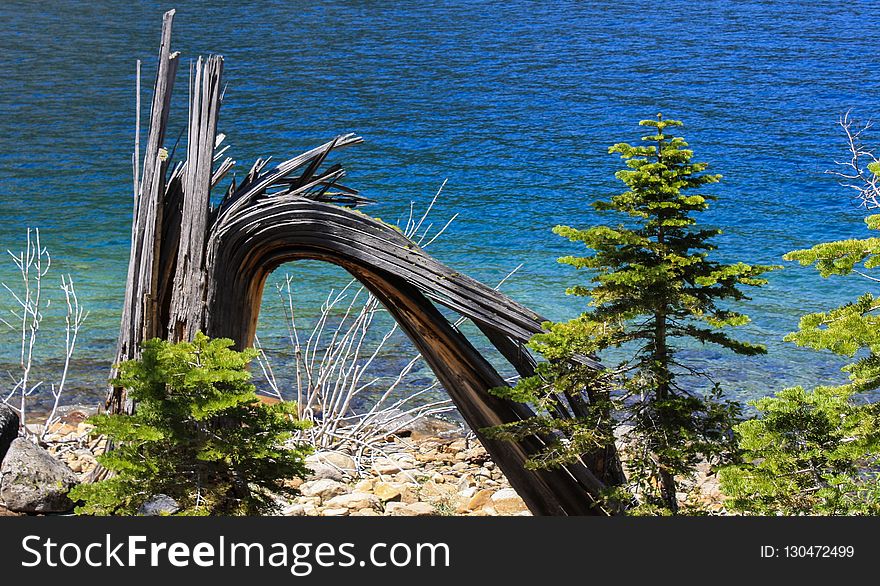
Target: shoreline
<point>433,468</point>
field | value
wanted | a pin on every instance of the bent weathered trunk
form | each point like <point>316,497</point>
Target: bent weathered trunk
<point>195,267</point>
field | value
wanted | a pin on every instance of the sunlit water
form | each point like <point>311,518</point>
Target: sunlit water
<point>514,102</point>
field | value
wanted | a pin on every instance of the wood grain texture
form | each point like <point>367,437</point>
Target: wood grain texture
<point>195,267</point>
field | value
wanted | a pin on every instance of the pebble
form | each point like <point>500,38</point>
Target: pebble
<point>324,488</point>
<point>418,477</point>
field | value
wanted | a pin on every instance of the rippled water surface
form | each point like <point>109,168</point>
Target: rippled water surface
<point>515,103</point>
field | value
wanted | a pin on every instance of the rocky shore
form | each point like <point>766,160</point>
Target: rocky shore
<point>444,473</point>
<point>433,469</point>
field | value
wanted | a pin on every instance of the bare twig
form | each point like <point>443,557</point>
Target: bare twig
<point>33,265</point>
<point>854,174</point>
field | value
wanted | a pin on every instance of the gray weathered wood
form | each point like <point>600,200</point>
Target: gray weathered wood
<point>139,312</point>
<point>194,267</point>
<point>186,313</point>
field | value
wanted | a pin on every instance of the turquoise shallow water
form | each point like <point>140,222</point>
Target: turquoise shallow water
<point>515,103</point>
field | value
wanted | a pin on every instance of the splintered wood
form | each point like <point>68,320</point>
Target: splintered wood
<point>197,267</point>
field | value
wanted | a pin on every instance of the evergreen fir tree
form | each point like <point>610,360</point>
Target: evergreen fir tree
<point>199,435</point>
<point>817,452</point>
<point>652,283</point>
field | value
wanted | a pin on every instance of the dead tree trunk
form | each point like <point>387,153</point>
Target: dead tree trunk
<point>197,268</point>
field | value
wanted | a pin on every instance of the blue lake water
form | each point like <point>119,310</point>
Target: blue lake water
<point>515,103</point>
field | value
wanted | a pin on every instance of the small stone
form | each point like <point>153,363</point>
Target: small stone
<point>392,507</point>
<point>438,478</point>
<point>406,477</point>
<point>323,489</point>
<point>458,445</point>
<point>388,491</point>
<point>32,481</point>
<point>365,485</point>
<point>59,430</point>
<point>319,471</point>
<point>74,416</point>
<point>479,500</point>
<point>335,465</point>
<point>339,512</point>
<point>467,493</point>
<point>507,502</point>
<point>419,509</point>
<point>294,510</point>
<point>466,481</point>
<point>34,429</point>
<point>386,466</point>
<point>354,500</point>
<point>428,446</point>
<point>365,513</point>
<point>460,466</point>
<point>293,482</point>
<point>158,506</point>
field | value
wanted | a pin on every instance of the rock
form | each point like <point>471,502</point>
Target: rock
<point>419,509</point>
<point>467,493</point>
<point>354,500</point>
<point>323,489</point>
<point>35,429</point>
<point>339,512</point>
<point>76,465</point>
<point>401,424</point>
<point>466,481</point>
<point>438,478</point>
<point>158,506</point>
<point>392,507</point>
<point>507,502</point>
<point>386,466</point>
<point>407,477</point>
<point>8,428</point>
<point>458,445</point>
<point>321,471</point>
<point>75,414</point>
<point>365,485</point>
<point>342,461</point>
<point>32,481</point>
<point>389,491</point>
<point>294,510</point>
<point>365,513</point>
<point>293,482</point>
<point>479,500</point>
<point>61,430</point>
<point>333,465</point>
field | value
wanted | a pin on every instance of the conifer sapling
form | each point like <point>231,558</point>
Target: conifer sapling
<point>199,435</point>
<point>651,282</point>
